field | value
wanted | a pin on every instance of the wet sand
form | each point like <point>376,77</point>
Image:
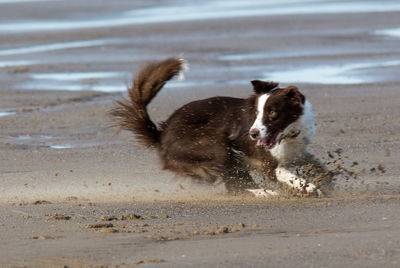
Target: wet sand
<point>64,169</point>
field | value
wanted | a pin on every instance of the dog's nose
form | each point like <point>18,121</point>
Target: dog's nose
<point>254,133</point>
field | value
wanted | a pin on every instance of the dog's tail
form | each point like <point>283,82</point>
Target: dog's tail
<point>131,114</point>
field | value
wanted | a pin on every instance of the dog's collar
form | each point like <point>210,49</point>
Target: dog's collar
<point>274,89</point>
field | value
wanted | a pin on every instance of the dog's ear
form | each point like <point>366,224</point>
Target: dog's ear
<point>262,87</point>
<point>293,93</point>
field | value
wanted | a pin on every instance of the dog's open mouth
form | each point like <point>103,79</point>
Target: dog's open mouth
<point>269,141</point>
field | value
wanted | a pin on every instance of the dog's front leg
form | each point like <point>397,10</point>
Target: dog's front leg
<point>285,176</point>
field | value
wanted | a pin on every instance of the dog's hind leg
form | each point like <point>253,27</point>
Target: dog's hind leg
<point>205,155</point>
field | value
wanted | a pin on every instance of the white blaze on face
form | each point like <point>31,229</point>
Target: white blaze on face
<point>258,123</point>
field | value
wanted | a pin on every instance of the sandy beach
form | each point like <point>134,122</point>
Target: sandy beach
<point>77,192</point>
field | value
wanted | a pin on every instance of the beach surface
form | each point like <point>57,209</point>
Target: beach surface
<point>78,192</point>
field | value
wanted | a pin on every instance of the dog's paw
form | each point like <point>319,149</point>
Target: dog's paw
<point>285,176</point>
<point>262,193</point>
<point>312,190</point>
<point>309,188</point>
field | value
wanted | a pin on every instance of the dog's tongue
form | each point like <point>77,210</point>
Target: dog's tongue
<point>269,141</point>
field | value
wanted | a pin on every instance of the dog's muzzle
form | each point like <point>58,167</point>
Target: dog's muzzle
<point>254,133</point>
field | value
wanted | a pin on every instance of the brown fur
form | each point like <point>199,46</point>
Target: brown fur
<point>205,139</point>
<point>131,114</point>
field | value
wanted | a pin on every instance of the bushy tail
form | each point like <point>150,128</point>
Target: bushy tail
<point>131,114</point>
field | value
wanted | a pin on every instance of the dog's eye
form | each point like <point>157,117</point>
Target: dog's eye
<point>273,114</point>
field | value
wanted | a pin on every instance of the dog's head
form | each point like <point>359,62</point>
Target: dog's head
<point>275,110</point>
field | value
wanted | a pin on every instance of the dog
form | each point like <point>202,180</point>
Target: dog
<point>224,137</point>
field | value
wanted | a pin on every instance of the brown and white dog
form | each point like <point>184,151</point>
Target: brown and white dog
<point>224,137</point>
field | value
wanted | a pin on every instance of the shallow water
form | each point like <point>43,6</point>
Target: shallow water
<point>390,32</point>
<point>22,1</point>
<point>31,140</point>
<point>70,52</point>
<point>60,146</point>
<point>10,63</point>
<point>75,81</point>
<point>292,54</point>
<point>6,113</point>
<point>58,46</point>
<point>329,74</point>
<point>348,73</point>
<point>203,10</point>
<point>105,82</point>
<point>116,87</point>
<point>77,76</point>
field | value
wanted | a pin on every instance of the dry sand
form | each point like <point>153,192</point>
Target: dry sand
<point>103,201</point>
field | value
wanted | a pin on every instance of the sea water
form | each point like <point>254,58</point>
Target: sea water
<point>38,53</point>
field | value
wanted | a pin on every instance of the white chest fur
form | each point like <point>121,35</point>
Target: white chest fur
<point>288,149</point>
